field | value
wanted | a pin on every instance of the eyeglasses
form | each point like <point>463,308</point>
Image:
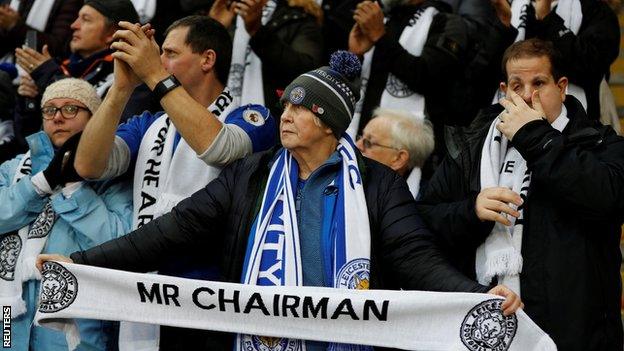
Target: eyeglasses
<point>369,144</point>
<point>67,111</point>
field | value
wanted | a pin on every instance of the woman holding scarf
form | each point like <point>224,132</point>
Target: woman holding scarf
<point>46,207</point>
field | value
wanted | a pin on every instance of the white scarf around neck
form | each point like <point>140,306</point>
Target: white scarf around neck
<point>502,165</point>
<point>38,15</point>
<point>397,94</point>
<point>163,177</point>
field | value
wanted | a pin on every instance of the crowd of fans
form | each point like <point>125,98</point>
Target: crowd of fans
<point>161,125</point>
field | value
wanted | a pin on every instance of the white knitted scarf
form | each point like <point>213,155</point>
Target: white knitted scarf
<point>397,94</point>
<point>38,15</point>
<point>502,165</point>
<point>245,78</point>
<point>162,178</point>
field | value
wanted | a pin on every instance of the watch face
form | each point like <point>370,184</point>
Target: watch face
<point>169,83</point>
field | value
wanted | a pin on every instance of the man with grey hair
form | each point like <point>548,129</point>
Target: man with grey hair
<point>400,141</point>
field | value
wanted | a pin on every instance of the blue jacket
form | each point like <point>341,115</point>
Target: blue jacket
<point>95,213</point>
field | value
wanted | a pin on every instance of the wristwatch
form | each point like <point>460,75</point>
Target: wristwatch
<point>164,86</point>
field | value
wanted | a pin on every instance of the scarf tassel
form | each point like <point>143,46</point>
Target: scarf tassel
<point>504,262</point>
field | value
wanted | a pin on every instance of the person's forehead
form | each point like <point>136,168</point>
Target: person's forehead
<point>378,127</point>
<point>57,102</point>
<point>91,11</point>
<point>528,68</point>
<point>176,38</point>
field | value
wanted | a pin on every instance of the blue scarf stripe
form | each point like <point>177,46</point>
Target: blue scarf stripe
<point>335,241</point>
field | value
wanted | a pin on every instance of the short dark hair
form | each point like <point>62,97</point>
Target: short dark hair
<point>204,34</point>
<point>534,48</point>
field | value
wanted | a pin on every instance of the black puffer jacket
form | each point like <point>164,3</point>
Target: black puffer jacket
<point>290,44</point>
<point>218,219</point>
<point>570,282</point>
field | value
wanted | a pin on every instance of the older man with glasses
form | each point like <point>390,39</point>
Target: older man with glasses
<point>46,207</point>
<point>400,141</point>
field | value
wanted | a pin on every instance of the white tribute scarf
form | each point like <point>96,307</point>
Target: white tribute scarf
<point>273,256</point>
<point>245,78</point>
<point>503,166</point>
<point>145,8</point>
<point>38,15</point>
<point>571,13</point>
<point>408,320</point>
<point>397,94</point>
<point>18,250</point>
<point>162,178</point>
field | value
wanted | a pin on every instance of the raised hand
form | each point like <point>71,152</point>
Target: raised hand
<point>517,113</point>
<point>60,170</point>
<point>29,59</point>
<point>542,8</point>
<point>503,11</point>
<point>251,12</point>
<point>140,51</point>
<point>359,43</point>
<point>370,18</point>
<point>27,87</point>
<point>223,12</point>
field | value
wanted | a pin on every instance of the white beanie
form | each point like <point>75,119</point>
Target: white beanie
<point>73,88</point>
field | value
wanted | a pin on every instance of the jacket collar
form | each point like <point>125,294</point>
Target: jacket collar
<point>41,150</point>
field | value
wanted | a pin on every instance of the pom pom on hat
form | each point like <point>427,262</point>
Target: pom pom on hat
<point>345,63</point>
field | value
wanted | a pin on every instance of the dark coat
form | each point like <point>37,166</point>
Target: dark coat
<point>218,219</point>
<point>96,69</point>
<point>290,44</point>
<point>587,56</point>
<point>570,281</point>
<point>57,32</point>
<point>441,62</point>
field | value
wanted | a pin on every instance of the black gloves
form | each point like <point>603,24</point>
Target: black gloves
<point>61,169</point>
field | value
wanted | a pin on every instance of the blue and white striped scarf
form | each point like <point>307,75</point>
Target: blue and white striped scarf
<point>273,252</point>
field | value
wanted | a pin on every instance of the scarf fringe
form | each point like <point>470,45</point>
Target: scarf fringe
<point>503,263</point>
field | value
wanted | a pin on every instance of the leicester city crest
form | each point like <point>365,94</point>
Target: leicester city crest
<point>267,343</point>
<point>486,328</point>
<point>397,88</point>
<point>10,247</point>
<point>355,274</point>
<point>297,95</point>
<point>59,288</point>
<point>43,223</point>
<point>253,117</point>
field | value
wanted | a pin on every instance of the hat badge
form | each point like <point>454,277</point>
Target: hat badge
<point>317,109</point>
<point>297,95</point>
